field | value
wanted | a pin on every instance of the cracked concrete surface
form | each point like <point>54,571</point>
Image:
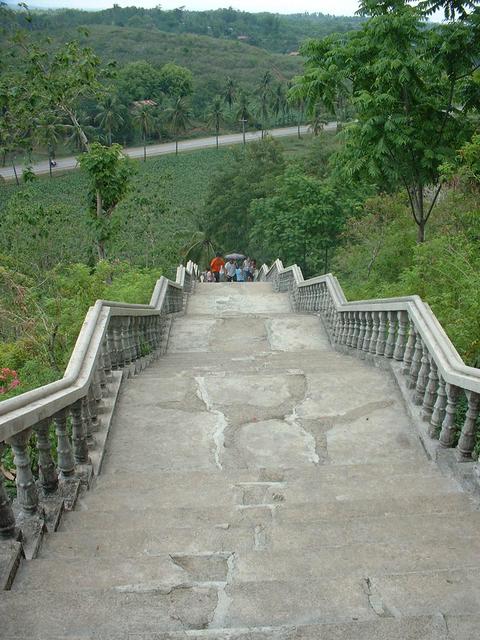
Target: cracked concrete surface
<point>257,486</point>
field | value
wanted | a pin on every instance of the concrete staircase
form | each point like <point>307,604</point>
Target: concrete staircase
<point>257,485</point>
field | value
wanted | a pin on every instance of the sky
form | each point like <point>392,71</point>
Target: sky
<point>334,7</point>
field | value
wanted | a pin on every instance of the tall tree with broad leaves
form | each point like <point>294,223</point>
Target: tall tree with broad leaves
<point>109,173</point>
<point>178,118</point>
<point>412,88</point>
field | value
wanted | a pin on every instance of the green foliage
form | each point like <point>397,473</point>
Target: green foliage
<point>109,174</point>
<point>380,258</point>
<point>405,82</point>
<point>175,81</point>
<point>49,310</point>
<point>274,32</point>
<point>299,223</point>
<point>250,174</point>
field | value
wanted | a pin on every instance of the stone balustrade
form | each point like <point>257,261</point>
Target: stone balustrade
<point>115,337</point>
<point>404,332</point>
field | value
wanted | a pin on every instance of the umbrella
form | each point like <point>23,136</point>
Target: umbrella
<point>235,256</point>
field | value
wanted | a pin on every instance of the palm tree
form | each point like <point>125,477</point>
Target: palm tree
<point>263,111</point>
<point>47,133</point>
<point>230,92</point>
<point>109,115</point>
<point>263,106</point>
<point>200,249</point>
<point>178,118</point>
<point>215,116</point>
<point>144,120</point>
<point>243,111</point>
<point>279,101</point>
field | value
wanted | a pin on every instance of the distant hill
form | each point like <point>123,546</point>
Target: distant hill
<point>209,59</point>
<point>274,32</point>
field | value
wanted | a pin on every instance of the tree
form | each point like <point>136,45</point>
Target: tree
<point>175,81</point>
<point>215,116</point>
<point>144,120</point>
<point>138,81</point>
<point>110,115</point>
<point>249,175</point>
<point>178,118</point>
<point>412,88</point>
<point>263,105</point>
<point>230,92</point>
<point>279,102</point>
<point>109,172</point>
<point>47,132</point>
<point>300,222</point>
<point>243,111</point>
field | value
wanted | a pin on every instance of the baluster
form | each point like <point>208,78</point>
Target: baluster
<point>356,329</point>
<point>375,330</point>
<point>92,408</point>
<point>27,496</point>
<point>422,377</point>
<point>126,342</point>
<point>361,334</point>
<point>111,361</point>
<point>317,298</point>
<point>344,327</point>
<point>79,433</point>
<point>416,362</point>
<point>382,330</point>
<point>390,345</point>
<point>47,472</point>
<point>7,517</point>
<point>439,409</point>
<point>117,342</point>
<point>400,345</point>
<point>102,376</point>
<point>368,331</point>
<point>65,460</point>
<point>409,349</point>
<point>466,442</point>
<point>136,337</point>
<point>96,384</point>
<point>431,389</point>
<point>88,422</point>
<point>447,434</point>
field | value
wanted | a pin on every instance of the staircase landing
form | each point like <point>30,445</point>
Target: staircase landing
<point>258,485</point>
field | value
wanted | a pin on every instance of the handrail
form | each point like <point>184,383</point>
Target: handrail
<point>114,336</point>
<point>17,413</point>
<point>402,329</point>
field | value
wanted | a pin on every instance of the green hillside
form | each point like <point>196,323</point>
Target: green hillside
<point>209,59</point>
<point>275,32</point>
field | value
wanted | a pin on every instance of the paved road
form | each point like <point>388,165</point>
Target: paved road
<point>65,164</point>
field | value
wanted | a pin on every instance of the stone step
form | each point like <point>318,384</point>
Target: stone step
<point>162,572</point>
<point>256,559</point>
<point>186,492</point>
<point>317,474</point>
<point>336,607</point>
<point>435,627</point>
<point>449,508</point>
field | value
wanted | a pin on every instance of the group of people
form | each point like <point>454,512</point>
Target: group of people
<point>229,271</point>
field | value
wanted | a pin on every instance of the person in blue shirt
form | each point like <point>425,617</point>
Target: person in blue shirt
<point>239,275</point>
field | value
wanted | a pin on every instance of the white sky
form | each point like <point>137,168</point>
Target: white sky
<point>334,7</point>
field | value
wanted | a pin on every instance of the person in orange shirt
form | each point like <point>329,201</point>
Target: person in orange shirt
<point>216,265</point>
